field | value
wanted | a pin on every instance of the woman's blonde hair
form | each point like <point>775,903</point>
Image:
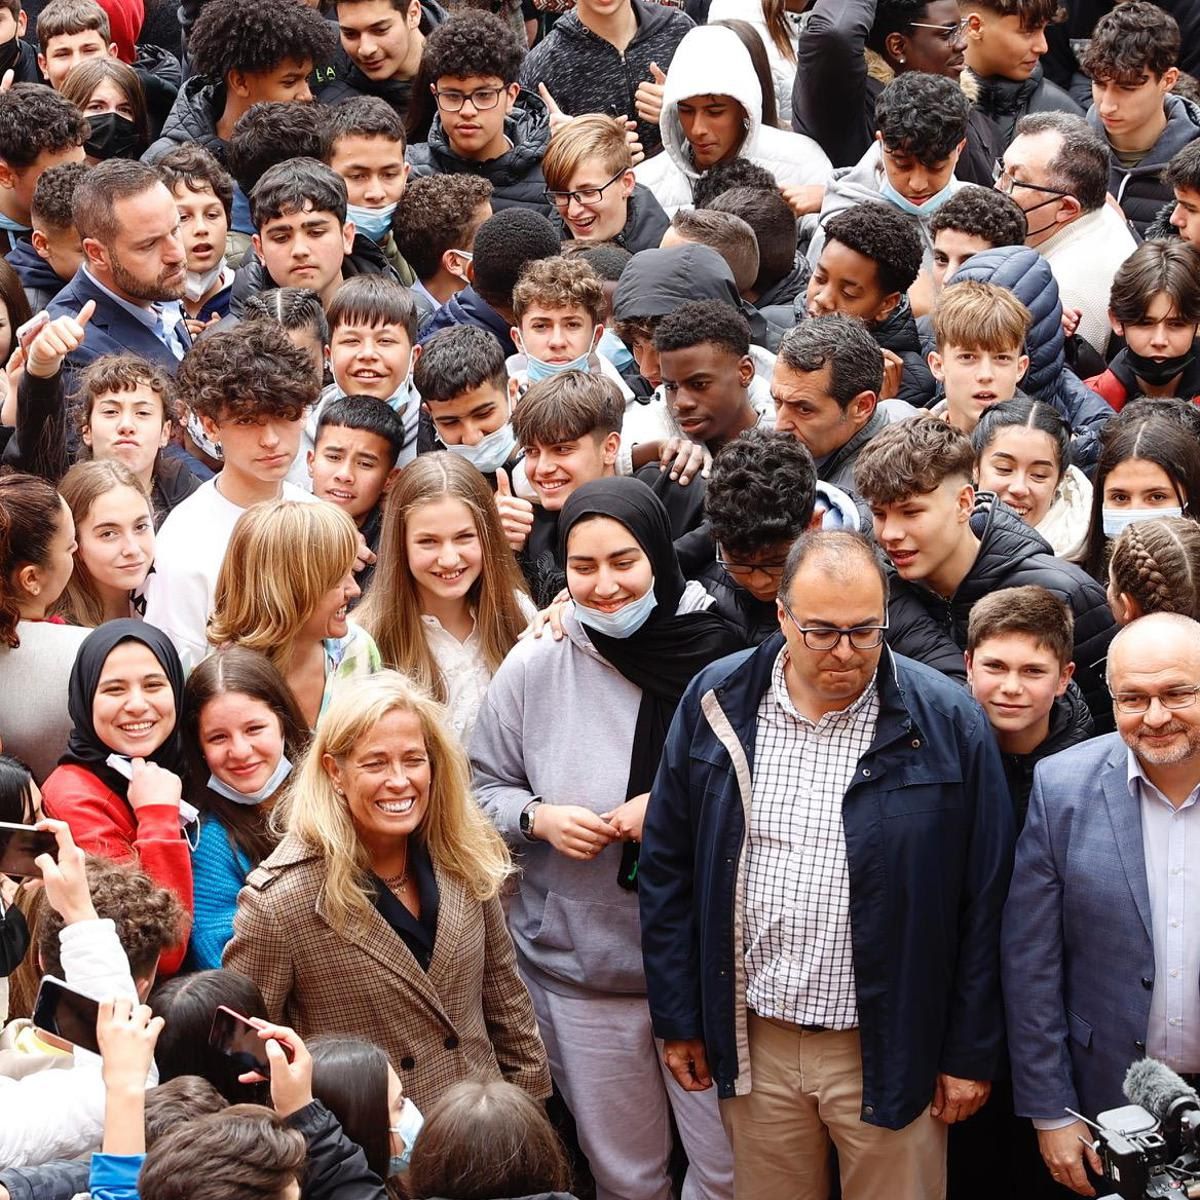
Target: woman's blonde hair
<point>284,557</point>
<point>461,840</point>
<point>81,603</point>
<point>391,612</point>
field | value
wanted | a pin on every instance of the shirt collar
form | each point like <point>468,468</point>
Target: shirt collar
<point>784,700</point>
<point>1140,787</point>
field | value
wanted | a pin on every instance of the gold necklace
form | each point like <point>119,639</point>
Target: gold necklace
<point>398,881</point>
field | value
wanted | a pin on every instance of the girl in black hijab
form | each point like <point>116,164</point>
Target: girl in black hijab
<point>119,785</point>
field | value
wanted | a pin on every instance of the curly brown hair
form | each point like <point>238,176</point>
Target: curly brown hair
<point>121,373</point>
<point>559,283</point>
<point>911,458</point>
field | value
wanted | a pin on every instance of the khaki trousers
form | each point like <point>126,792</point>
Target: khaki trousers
<point>806,1095</point>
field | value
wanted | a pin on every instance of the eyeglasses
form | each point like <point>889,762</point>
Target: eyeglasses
<point>772,570</point>
<point>481,99</point>
<point>1000,175</point>
<point>585,196</point>
<point>948,32</point>
<point>1135,702</point>
<point>824,637</point>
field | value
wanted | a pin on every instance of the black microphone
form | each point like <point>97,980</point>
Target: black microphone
<point>1158,1089</point>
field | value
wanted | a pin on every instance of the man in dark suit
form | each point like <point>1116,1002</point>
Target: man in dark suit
<point>1100,945</point>
<point>134,267</point>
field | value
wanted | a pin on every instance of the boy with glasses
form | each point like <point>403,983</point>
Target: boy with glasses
<point>485,124</point>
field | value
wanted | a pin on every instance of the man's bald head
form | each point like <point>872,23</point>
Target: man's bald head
<point>1158,640</point>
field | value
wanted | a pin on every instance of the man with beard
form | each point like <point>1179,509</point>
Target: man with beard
<point>1101,942</point>
<point>134,267</point>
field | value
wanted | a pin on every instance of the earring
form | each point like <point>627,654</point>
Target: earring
<point>340,792</point>
<point>900,60</point>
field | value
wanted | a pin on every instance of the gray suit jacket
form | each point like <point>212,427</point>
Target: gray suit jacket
<point>1078,959</point>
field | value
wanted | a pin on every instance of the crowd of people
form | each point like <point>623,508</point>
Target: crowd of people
<point>616,585</point>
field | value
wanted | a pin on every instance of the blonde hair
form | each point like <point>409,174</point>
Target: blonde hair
<point>592,136</point>
<point>391,613</point>
<point>284,557</point>
<point>980,316</point>
<point>84,484</point>
<point>460,839</point>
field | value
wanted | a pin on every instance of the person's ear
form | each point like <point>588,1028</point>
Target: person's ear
<point>893,46</point>
<point>628,183</point>
<point>85,436</point>
<point>42,66</point>
<point>975,27</point>
<point>112,50</point>
<point>330,766</point>
<point>967,659</point>
<point>390,481</point>
<point>145,984</point>
<point>235,81</point>
<point>348,237</point>
<point>413,16</point>
<point>510,96</point>
<point>8,177</point>
<point>964,504</point>
<point>309,459</point>
<point>888,306</point>
<point>41,244</point>
<point>1022,366</point>
<point>514,393</point>
<point>1064,679</point>
<point>212,430</point>
<point>164,434</point>
<point>514,332</point>
<point>745,370</point>
<point>1118,327</point>
<point>1068,210</point>
<point>28,579</point>
<point>937,367</point>
<point>610,447</point>
<point>861,407</point>
<point>22,23</point>
<point>815,521</point>
<point>1125,610</point>
<point>1170,77</point>
<point>256,245</point>
<point>414,354</point>
<point>95,253</point>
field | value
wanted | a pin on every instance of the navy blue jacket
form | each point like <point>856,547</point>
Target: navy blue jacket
<point>37,277</point>
<point>468,307</point>
<point>929,838</point>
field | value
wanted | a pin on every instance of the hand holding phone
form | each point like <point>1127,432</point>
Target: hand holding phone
<point>64,1017</point>
<point>127,1033</point>
<point>21,846</point>
<point>65,880</point>
<point>291,1068</point>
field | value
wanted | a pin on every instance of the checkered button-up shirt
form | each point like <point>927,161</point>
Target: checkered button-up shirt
<point>799,957</point>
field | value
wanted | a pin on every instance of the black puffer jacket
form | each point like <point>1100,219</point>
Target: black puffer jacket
<point>777,302</point>
<point>1006,101</point>
<point>924,626</point>
<point>161,77</point>
<point>898,333</point>
<point>516,176</point>
<point>755,620</point>
<point>645,222</point>
<point>193,118</point>
<point>26,69</point>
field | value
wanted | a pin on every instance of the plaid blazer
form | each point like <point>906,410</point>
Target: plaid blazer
<point>469,1016</point>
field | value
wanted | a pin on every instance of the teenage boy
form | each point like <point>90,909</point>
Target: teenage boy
<point>485,125</point>
<point>947,548</point>
<point>434,229</point>
<point>1019,668</point>
<point>922,130</point>
<point>54,252</point>
<point>730,236</point>
<point>973,220</point>
<point>871,257</point>
<point>979,332</point>
<point>366,145</point>
<point>1005,42</point>
<point>704,353</point>
<point>1132,59</point>
<point>38,130</point>
<point>70,32</point>
<point>243,54</point>
<point>1183,177</point>
<point>251,389</point>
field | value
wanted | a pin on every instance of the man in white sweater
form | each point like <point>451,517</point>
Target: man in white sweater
<point>1056,169</point>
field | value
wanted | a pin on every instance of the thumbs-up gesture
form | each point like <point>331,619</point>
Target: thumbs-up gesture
<point>45,353</point>
<point>558,118</point>
<point>516,513</point>
<point>648,99</point>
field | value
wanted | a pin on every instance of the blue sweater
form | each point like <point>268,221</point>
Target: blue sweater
<point>115,1176</point>
<point>218,873</point>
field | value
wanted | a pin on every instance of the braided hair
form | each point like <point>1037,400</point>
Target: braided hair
<point>1157,565</point>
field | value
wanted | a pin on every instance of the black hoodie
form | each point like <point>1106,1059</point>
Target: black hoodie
<point>1006,101</point>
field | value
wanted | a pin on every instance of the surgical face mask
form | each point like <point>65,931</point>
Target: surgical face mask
<point>123,765</point>
<point>490,452</point>
<point>374,222</point>
<point>198,285</point>
<point>1117,519</point>
<point>1158,371</point>
<point>268,789</point>
<point>113,136</point>
<point>623,623</point>
<point>538,369</point>
<point>196,432</point>
<point>410,1125</point>
<point>904,204</point>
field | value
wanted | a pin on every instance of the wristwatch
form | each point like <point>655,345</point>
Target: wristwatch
<point>526,822</point>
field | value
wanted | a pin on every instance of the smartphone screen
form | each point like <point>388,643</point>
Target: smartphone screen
<point>233,1035</point>
<point>61,1012</point>
<point>20,845</point>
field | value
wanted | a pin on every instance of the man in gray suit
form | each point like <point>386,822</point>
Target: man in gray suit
<point>1101,936</point>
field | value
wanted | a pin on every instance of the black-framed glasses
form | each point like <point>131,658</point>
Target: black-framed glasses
<point>947,32</point>
<point>1005,183</point>
<point>585,196</point>
<point>743,570</point>
<point>826,637</point>
<point>481,99</point>
<point>1176,697</point>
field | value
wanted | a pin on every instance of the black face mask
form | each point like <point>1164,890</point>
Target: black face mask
<point>14,940</point>
<point>10,52</point>
<point>113,136</point>
<point>1158,372</point>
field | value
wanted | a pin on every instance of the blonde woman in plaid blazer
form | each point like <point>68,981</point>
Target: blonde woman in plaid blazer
<point>378,915</point>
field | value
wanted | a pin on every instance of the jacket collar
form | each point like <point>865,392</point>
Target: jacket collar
<point>832,463</point>
<point>1125,815</point>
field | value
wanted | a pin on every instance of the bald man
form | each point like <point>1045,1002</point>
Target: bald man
<point>1101,937</point>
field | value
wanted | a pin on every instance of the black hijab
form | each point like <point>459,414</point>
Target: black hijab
<point>84,747</point>
<point>664,655</point>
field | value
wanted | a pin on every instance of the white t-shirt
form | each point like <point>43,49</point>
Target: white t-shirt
<point>189,551</point>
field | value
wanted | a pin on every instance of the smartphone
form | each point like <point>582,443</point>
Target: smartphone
<point>20,845</point>
<point>236,1036</point>
<point>65,1017</point>
<point>31,328</point>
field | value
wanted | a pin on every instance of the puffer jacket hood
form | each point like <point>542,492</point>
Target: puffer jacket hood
<point>468,307</point>
<point>516,176</point>
<point>193,118</point>
<point>37,276</point>
<point>1028,276</point>
<point>1140,190</point>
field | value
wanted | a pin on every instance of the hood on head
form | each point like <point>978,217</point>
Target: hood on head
<point>656,282</point>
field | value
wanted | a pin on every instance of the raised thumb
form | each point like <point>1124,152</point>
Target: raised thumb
<point>502,485</point>
<point>657,72</point>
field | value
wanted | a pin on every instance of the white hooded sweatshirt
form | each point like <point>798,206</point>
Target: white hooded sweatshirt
<point>712,60</point>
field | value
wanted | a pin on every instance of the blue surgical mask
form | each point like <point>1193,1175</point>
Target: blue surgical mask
<point>490,452</point>
<point>892,196</point>
<point>268,789</point>
<point>12,226</point>
<point>538,369</point>
<point>1117,519</point>
<point>623,623</point>
<point>411,1123</point>
<point>374,222</point>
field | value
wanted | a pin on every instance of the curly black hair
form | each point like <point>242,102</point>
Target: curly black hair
<point>1131,41</point>
<point>472,43</point>
<point>698,321</point>
<point>437,213</point>
<point>736,173</point>
<point>190,165</point>
<point>231,35</point>
<point>761,492</point>
<point>34,119</point>
<point>288,186</point>
<point>272,132</point>
<point>1183,171</point>
<point>251,371</point>
<point>883,234</point>
<point>53,193</point>
<point>506,241</point>
<point>922,115</point>
<point>983,213</point>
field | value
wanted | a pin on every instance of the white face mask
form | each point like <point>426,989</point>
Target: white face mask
<point>282,770</point>
<point>1118,519</point>
<point>124,766</point>
<point>197,285</point>
<point>490,452</point>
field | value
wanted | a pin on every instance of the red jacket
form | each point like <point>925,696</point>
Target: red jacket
<point>103,823</point>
